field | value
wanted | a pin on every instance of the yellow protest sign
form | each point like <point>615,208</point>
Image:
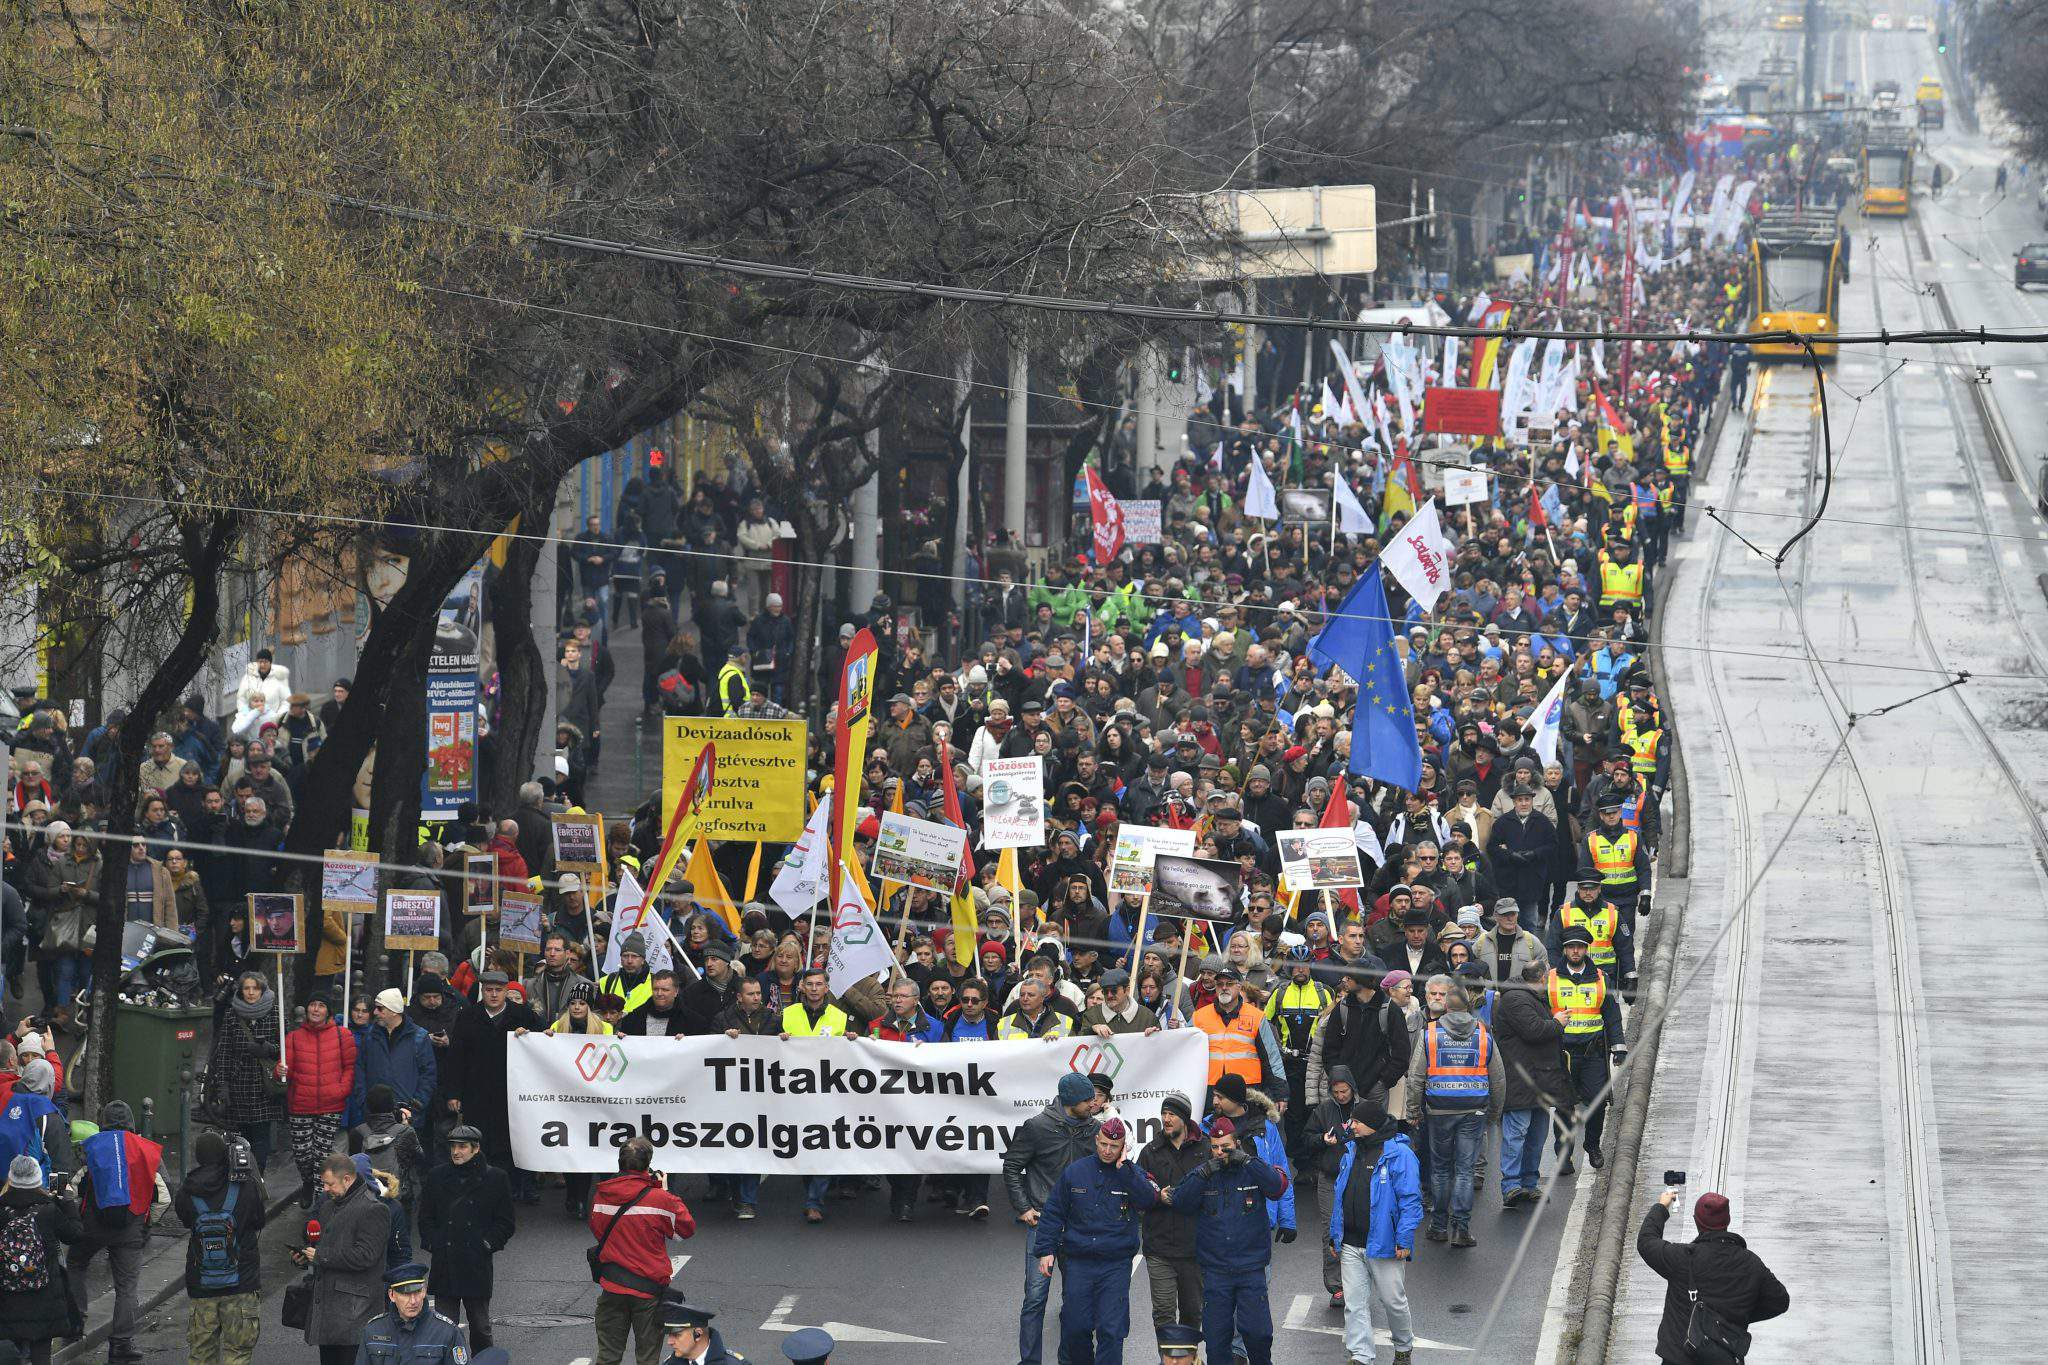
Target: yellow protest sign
<point>759,793</point>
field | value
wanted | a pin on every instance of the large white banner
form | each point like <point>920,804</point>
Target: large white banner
<point>818,1106</point>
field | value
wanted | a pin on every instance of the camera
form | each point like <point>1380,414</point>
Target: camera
<point>241,1159</point>
<point>1674,1178</point>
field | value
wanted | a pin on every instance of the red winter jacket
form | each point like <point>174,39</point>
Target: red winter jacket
<point>320,1069</point>
<point>638,1250</point>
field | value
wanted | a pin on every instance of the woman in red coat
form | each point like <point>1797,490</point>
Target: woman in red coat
<point>319,1073</point>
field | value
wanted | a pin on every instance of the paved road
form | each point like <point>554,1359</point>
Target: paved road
<point>947,1289</point>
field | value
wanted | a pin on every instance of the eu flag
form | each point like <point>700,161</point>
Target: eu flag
<point>1360,640</point>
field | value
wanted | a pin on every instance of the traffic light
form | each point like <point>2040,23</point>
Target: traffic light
<point>655,459</point>
<point>1173,372</point>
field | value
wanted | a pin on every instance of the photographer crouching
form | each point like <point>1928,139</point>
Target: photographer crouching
<point>221,1201</point>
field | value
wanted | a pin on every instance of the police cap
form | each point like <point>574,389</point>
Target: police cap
<point>678,1313</point>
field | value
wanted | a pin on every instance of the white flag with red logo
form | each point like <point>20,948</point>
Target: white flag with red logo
<point>1420,558</point>
<point>1106,514</point>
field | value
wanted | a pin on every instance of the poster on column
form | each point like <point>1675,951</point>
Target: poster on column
<point>449,782</point>
<point>818,1106</point>
<point>1013,802</point>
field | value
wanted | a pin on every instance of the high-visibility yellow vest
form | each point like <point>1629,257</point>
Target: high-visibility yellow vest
<point>1294,1010</point>
<point>1642,746</point>
<point>796,1022</point>
<point>1600,925</point>
<point>1581,1002</point>
<point>1677,461</point>
<point>1615,859</point>
<point>1620,583</point>
<point>1010,1029</point>
<point>734,673</point>
<point>634,997</point>
<point>1233,1046</point>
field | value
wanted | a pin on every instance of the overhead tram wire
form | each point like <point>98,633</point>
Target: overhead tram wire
<point>1140,312</point>
<point>331,518</point>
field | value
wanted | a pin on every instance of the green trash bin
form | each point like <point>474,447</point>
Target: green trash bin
<point>157,1057</point>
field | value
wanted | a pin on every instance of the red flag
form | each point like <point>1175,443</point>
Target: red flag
<point>1537,521</point>
<point>1337,815</point>
<point>1106,514</point>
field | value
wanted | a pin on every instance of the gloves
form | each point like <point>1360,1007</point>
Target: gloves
<point>1284,1236</point>
<point>1239,1156</point>
<point>1213,1167</point>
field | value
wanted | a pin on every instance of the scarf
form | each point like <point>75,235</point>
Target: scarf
<point>245,1009</point>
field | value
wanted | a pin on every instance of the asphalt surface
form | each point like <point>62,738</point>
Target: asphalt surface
<point>941,1289</point>
<point>1821,1069</point>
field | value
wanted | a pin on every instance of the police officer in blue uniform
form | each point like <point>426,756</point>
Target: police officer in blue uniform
<point>1227,1197</point>
<point>1091,1225</point>
<point>808,1346</point>
<point>1178,1344</point>
<point>409,1332</point>
<point>690,1337</point>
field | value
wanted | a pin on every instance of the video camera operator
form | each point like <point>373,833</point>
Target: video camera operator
<point>221,1202</point>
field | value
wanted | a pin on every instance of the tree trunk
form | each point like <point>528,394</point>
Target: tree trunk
<point>205,556</point>
<point>395,789</point>
<point>522,668</point>
<point>808,614</point>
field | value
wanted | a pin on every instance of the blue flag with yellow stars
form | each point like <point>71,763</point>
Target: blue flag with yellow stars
<point>1360,640</point>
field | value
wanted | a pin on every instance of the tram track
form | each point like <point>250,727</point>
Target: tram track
<point>1921,1314</point>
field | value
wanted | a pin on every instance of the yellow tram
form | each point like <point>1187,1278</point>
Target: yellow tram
<point>1799,260</point>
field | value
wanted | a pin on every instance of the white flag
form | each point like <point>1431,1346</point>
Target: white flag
<point>629,916</point>
<point>1368,840</point>
<point>1333,407</point>
<point>1353,394</point>
<point>1599,359</point>
<point>1480,303</point>
<point>800,884</point>
<point>1351,517</point>
<point>1450,375</point>
<point>1420,558</point>
<point>1548,715</point>
<point>1259,499</point>
<point>859,948</point>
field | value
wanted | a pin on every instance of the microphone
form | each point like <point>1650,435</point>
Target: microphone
<point>312,1232</point>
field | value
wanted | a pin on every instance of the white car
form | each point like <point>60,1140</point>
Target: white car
<point>1917,23</point>
<point>1881,21</point>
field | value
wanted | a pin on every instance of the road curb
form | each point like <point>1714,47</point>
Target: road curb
<point>1608,1219</point>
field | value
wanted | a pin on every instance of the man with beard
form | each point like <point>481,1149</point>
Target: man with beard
<point>704,999</point>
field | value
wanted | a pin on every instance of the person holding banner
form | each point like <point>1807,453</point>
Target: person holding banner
<point>476,1086</point>
<point>815,1015</point>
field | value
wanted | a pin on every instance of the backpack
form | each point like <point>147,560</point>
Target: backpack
<point>219,1265</point>
<point>382,1149</point>
<point>23,1267</point>
<point>21,1132</point>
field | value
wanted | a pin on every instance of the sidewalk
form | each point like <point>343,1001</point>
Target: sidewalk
<point>629,765</point>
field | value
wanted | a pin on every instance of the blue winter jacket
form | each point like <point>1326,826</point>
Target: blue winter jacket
<point>402,1059</point>
<point>1269,1144</point>
<point>1396,1199</point>
<point>1093,1211</point>
<point>1231,1232</point>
